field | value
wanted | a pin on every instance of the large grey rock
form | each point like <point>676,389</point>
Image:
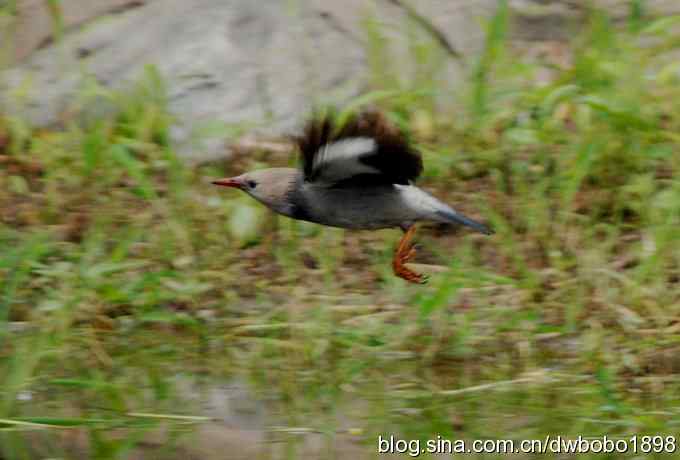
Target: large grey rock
<point>236,61</point>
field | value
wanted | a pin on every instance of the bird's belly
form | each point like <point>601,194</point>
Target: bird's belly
<point>356,223</point>
<point>363,209</point>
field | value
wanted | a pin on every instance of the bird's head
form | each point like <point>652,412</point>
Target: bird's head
<point>272,186</point>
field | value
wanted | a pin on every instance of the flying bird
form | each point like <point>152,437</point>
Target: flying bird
<point>354,174</point>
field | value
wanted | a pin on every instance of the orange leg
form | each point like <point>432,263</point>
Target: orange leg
<point>405,252</point>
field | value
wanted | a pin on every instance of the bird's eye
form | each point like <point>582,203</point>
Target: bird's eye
<point>251,184</point>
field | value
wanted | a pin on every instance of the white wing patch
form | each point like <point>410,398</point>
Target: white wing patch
<point>340,159</point>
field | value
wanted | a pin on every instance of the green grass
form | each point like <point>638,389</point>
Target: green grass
<point>122,273</point>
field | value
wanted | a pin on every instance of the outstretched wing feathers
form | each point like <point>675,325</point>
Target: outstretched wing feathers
<point>365,145</point>
<point>337,159</point>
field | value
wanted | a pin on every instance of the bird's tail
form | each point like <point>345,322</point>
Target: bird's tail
<point>453,217</point>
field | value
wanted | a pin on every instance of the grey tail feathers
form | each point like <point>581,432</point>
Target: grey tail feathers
<point>454,217</point>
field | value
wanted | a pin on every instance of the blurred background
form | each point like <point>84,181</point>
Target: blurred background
<point>146,314</point>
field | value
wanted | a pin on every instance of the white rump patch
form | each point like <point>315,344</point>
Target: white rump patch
<point>419,199</point>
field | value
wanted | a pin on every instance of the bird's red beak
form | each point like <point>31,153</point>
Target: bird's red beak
<point>229,182</point>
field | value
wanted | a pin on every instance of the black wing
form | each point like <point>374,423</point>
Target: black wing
<point>365,147</point>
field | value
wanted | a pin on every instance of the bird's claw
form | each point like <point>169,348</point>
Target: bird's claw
<point>410,276</point>
<point>419,278</point>
<point>405,252</point>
